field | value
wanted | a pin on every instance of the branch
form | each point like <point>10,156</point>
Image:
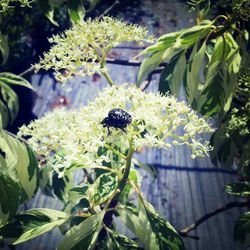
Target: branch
<point>184,232</point>
<point>30,69</point>
<point>109,9</point>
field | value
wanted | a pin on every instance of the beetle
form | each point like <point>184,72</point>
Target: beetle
<point>117,118</point>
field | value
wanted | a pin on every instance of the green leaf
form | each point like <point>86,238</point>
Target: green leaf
<point>224,147</point>
<point>152,62</point>
<point>192,76</point>
<point>32,223</point>
<point>152,170</point>
<point>242,229</point>
<point>121,242</point>
<point>4,115</point>
<point>172,75</point>
<point>241,189</point>
<point>76,10</point>
<point>4,49</point>
<point>21,163</point>
<point>9,99</point>
<point>10,193</point>
<point>189,36</point>
<point>165,234</point>
<point>61,186</point>
<point>82,235</point>
<point>103,188</point>
<point>48,7</point>
<point>12,79</point>
<point>163,43</point>
<point>160,235</point>
<point>213,96</point>
<point>220,82</point>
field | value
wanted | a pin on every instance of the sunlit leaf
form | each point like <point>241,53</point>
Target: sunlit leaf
<point>103,187</point>
<point>12,79</point>
<point>165,234</point>
<point>160,235</point>
<point>81,236</point>
<point>189,36</point>
<point>10,192</point>
<point>31,223</point>
<point>21,163</point>
<point>76,10</point>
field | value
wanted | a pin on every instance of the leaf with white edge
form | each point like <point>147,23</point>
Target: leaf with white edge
<point>165,234</point>
<point>172,75</point>
<point>192,76</point>
<point>103,188</point>
<point>242,229</point>
<point>21,163</point>
<point>4,49</point>
<point>160,235</point>
<point>32,223</point>
<point>9,99</point>
<point>12,79</point>
<point>82,235</point>
<point>121,242</point>
<point>61,186</point>
<point>10,193</point>
<point>76,10</point>
<point>241,189</point>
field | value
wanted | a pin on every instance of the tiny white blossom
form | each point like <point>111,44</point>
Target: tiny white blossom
<point>80,135</point>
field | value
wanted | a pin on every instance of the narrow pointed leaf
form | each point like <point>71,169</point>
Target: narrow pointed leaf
<point>32,223</point>
<point>80,236</point>
<point>172,75</point>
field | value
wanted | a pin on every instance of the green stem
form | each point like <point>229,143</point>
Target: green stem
<point>107,220</point>
<point>107,76</point>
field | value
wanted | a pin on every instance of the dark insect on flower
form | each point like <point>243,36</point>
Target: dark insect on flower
<point>117,118</point>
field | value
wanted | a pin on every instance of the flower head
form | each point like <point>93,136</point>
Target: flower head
<point>82,49</point>
<point>80,135</point>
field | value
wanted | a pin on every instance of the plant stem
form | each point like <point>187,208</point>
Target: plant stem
<point>184,232</point>
<point>107,76</point>
<point>107,220</point>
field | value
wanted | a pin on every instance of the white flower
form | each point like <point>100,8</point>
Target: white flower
<point>80,135</point>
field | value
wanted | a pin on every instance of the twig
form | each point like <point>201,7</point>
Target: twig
<point>109,8</point>
<point>30,69</point>
<point>184,232</point>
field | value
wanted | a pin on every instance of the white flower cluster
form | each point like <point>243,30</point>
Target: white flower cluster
<point>65,137</point>
<point>82,50</point>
